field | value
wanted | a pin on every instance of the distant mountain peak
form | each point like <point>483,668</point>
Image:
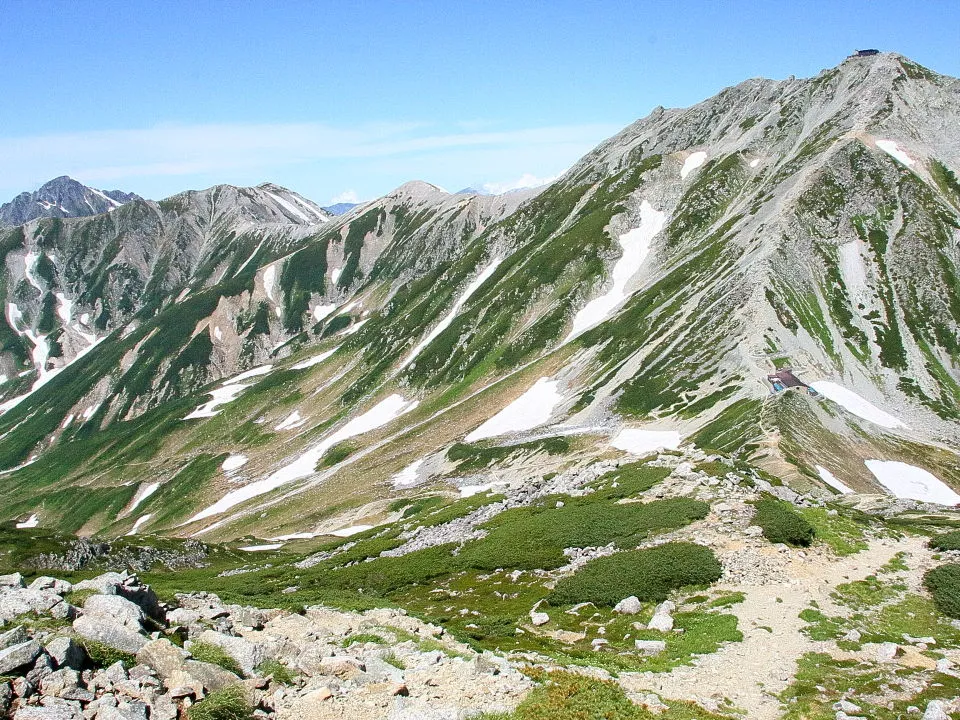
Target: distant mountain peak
<point>62,197</point>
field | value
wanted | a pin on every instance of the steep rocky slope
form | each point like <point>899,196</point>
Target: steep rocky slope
<point>62,197</point>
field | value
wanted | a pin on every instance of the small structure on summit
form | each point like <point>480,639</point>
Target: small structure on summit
<point>865,53</point>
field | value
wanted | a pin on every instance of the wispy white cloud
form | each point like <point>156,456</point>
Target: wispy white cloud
<point>347,196</point>
<point>219,150</point>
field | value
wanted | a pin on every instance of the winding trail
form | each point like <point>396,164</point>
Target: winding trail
<point>753,672</point>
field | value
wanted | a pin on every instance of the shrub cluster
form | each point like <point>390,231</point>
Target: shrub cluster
<point>943,583</point>
<point>946,541</point>
<point>650,574</point>
<point>227,704</point>
<point>207,652</point>
<point>781,523</point>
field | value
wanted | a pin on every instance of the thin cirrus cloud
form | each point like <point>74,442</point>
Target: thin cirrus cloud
<point>229,149</point>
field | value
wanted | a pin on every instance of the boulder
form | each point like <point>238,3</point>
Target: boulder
<point>163,656</point>
<point>936,710</point>
<point>21,601</point>
<point>13,637</point>
<point>247,654</point>
<point>539,618</point>
<point>19,655</point>
<point>59,682</point>
<point>183,616</point>
<point>117,608</point>
<point>45,582</point>
<point>203,677</point>
<point>64,611</point>
<point>13,580</point>
<point>888,651</point>
<point>650,647</point>
<point>662,621</point>
<point>56,712</point>
<point>125,711</point>
<point>110,634</point>
<point>342,667</point>
<point>66,653</point>
<point>628,606</point>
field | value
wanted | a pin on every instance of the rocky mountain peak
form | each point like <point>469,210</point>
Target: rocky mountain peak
<point>61,197</point>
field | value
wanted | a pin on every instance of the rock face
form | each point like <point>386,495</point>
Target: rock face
<point>62,197</point>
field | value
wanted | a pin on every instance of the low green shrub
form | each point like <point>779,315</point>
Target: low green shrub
<point>281,673</point>
<point>104,656</point>
<point>650,574</point>
<point>946,541</point>
<point>227,704</point>
<point>781,523</point>
<point>363,638</point>
<point>943,583</point>
<point>207,652</point>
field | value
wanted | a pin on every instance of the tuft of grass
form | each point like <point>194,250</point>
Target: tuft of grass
<point>841,533</point>
<point>391,659</point>
<point>227,704</point>
<point>363,638</point>
<point>207,652</point>
<point>649,574</point>
<point>943,583</point>
<point>946,541</point>
<point>280,672</point>
<point>104,656</point>
<point>781,523</point>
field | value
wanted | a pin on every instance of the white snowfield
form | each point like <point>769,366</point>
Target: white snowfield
<point>143,493</point>
<point>32,522</point>
<point>636,247</point>
<point>269,279</point>
<point>693,161</point>
<point>891,148</point>
<point>234,462</point>
<point>355,327</point>
<point>408,476</point>
<point>754,162</point>
<point>912,483</point>
<point>853,403</point>
<point>292,209</point>
<point>528,411</point>
<point>305,466</point>
<point>262,548</point>
<point>30,267</point>
<point>352,530</point>
<point>641,442</point>
<point>220,396</point>
<point>140,521</point>
<point>335,275</point>
<point>321,311</point>
<point>454,311</point>
<point>255,372</point>
<point>830,479</point>
<point>64,307</point>
<point>315,360</point>
<point>291,421</point>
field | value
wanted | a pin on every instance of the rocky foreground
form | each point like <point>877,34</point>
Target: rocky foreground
<point>108,649</point>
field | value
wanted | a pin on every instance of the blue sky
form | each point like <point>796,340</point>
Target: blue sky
<point>350,99</point>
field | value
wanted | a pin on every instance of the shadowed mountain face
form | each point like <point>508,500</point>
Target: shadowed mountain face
<point>807,225</point>
<point>60,198</point>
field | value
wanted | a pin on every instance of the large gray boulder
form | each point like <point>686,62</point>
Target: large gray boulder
<point>19,655</point>
<point>110,634</point>
<point>45,582</point>
<point>202,677</point>
<point>628,606</point>
<point>66,653</point>
<point>14,636</point>
<point>21,601</point>
<point>13,580</point>
<point>117,608</point>
<point>163,657</point>
<point>60,711</point>
<point>247,654</point>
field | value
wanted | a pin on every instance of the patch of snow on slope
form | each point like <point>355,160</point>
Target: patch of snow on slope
<point>335,275</point>
<point>269,278</point>
<point>140,521</point>
<point>31,523</point>
<point>218,333</point>
<point>234,462</point>
<point>693,161</point>
<point>143,494</point>
<point>296,536</point>
<point>642,442</point>
<point>64,307</point>
<point>29,266</point>
<point>531,409</point>
<point>291,421</point>
<point>408,476</point>
<point>354,328</point>
<point>855,404</point>
<point>262,548</point>
<point>891,148</point>
<point>445,322</point>
<point>321,311</point>
<point>220,396</point>
<point>290,207</point>
<point>352,530</point>
<point>305,466</point>
<point>255,372</point>
<point>754,162</point>
<point>829,478</point>
<point>636,247</point>
<point>912,483</point>
<point>315,360</point>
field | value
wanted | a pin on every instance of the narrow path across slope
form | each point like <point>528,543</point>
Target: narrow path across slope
<point>753,672</point>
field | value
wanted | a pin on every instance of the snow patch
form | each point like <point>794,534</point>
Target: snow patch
<point>642,442</point>
<point>296,536</point>
<point>85,319</point>
<point>31,523</point>
<point>140,521</point>
<point>29,266</point>
<point>335,275</point>
<point>289,207</point>
<point>636,247</point>
<point>269,279</point>
<point>531,409</point>
<point>379,415</point>
<point>220,396</point>
<point>855,404</point>
<point>255,372</point>
<point>352,530</point>
<point>754,162</point>
<point>891,148</point>
<point>321,311</point>
<point>142,494</point>
<point>291,421</point>
<point>354,328</point>
<point>912,483</point>
<point>217,333</point>
<point>408,476</point>
<point>445,322</point>
<point>693,161</point>
<point>64,307</point>
<point>234,462</point>
<point>829,478</point>
<point>261,548</point>
<point>315,360</point>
